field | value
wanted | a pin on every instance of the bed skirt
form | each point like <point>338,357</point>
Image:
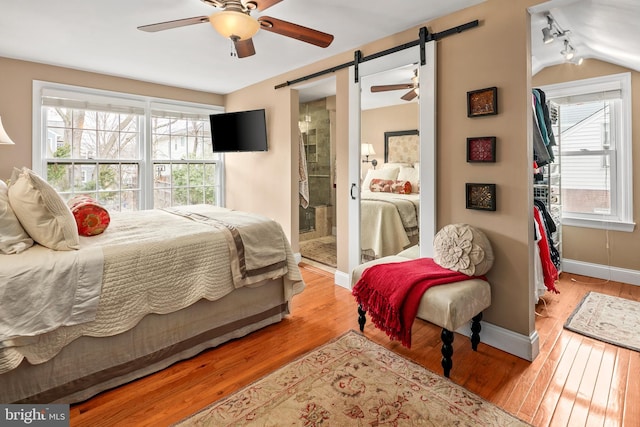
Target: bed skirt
<point>89,365</point>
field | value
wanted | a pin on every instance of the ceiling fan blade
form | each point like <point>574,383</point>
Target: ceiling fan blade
<point>244,48</point>
<point>295,31</point>
<point>161,26</point>
<point>409,95</point>
<point>384,88</point>
<point>264,4</point>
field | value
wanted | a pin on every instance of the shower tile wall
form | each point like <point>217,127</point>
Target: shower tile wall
<point>317,137</point>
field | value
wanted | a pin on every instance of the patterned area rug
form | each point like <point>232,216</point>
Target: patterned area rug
<point>352,381</point>
<point>322,250</point>
<point>607,318</point>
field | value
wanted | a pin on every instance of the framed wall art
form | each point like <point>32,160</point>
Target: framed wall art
<point>481,196</point>
<point>481,149</point>
<point>402,146</point>
<point>482,102</point>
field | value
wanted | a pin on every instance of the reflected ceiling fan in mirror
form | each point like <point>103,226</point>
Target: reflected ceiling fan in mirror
<point>409,96</point>
<point>234,22</point>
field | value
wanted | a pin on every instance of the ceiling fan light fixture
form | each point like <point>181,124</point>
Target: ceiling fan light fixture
<point>234,24</point>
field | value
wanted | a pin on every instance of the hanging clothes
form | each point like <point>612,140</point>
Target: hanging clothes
<point>540,151</point>
<point>550,227</point>
<point>542,124</point>
<point>549,270</point>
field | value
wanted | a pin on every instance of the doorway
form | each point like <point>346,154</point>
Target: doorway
<point>317,230</point>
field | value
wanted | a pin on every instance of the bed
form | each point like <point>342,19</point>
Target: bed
<point>156,287</point>
<point>389,210</point>
<point>389,222</point>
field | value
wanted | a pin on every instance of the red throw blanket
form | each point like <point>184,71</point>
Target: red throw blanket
<point>391,293</point>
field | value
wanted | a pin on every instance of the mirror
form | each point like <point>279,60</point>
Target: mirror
<point>359,123</point>
<point>389,197</point>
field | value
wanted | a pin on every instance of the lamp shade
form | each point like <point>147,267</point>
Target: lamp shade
<point>4,138</point>
<point>231,23</point>
<point>367,150</point>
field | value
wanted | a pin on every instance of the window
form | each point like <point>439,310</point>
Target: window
<point>594,134</point>
<point>128,152</point>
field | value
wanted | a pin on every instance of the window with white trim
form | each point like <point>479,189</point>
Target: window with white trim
<point>129,152</point>
<point>594,130</point>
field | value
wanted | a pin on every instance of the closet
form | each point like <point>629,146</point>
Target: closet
<point>546,193</point>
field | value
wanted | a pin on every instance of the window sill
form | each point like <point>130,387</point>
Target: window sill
<point>601,224</point>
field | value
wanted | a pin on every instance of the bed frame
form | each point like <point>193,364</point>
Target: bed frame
<point>90,365</point>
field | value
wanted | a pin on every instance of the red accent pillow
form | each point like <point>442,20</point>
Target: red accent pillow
<point>91,218</point>
<point>401,187</point>
<point>390,186</point>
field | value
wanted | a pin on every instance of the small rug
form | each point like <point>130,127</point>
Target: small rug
<point>613,320</point>
<point>352,381</point>
<point>322,250</point>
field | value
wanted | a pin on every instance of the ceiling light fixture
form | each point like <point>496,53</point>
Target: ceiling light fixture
<point>553,31</point>
<point>234,23</point>
<point>4,138</point>
<point>569,52</point>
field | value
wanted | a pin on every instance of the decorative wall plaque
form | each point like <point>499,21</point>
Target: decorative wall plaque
<point>481,149</point>
<point>481,196</point>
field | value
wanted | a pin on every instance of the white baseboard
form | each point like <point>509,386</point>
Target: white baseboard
<point>297,257</point>
<point>601,271</point>
<point>524,347</point>
<point>342,279</point>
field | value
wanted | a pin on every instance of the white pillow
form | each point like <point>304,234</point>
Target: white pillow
<point>13,238</point>
<point>42,212</point>
<point>391,174</point>
<point>463,248</point>
<point>412,175</point>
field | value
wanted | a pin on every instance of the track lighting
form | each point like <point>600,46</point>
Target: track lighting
<point>568,52</point>
<point>553,31</point>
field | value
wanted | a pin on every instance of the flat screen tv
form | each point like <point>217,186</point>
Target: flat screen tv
<point>239,131</point>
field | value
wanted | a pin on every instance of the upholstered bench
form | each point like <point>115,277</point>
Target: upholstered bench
<point>449,306</point>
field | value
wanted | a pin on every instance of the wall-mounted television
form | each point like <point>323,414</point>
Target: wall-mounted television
<point>239,131</point>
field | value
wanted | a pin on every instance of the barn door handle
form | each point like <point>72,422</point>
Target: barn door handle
<point>353,185</point>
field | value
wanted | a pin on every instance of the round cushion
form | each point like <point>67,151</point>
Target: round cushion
<point>91,218</point>
<point>463,248</point>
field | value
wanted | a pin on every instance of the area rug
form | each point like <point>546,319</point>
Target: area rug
<point>607,318</point>
<point>352,381</point>
<point>322,250</point>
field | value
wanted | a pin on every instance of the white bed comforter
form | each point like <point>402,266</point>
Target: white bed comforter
<point>388,220</point>
<point>64,290</point>
<point>158,262</point>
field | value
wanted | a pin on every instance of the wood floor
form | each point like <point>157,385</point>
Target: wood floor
<point>575,381</point>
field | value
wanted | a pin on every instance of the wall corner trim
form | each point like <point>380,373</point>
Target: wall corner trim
<point>522,346</point>
<point>342,279</point>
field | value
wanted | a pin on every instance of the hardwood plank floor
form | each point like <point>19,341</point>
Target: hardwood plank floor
<point>574,381</point>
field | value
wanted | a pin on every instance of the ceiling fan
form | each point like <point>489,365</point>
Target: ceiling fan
<point>235,22</point>
<point>413,88</point>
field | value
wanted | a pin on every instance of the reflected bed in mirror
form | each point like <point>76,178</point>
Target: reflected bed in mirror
<point>390,199</point>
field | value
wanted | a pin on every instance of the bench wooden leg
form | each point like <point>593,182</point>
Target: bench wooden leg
<point>447,351</point>
<point>475,331</point>
<point>362,317</point>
